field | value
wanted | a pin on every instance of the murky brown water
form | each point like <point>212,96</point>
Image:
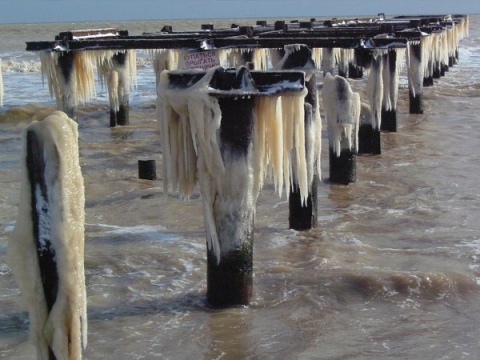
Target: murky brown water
<point>391,271</point>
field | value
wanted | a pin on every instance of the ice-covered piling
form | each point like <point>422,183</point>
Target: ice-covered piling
<point>226,130</point>
<point>342,110</point>
<point>70,77</point>
<point>118,70</point>
<point>46,248</point>
<point>416,71</point>
<point>303,216</point>
<point>375,98</point>
<point>391,70</point>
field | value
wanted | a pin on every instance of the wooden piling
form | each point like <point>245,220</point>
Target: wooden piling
<point>304,216</point>
<point>66,61</point>
<point>41,221</point>
<point>415,78</point>
<point>389,104</point>
<point>120,115</point>
<point>342,108</point>
<point>230,275</point>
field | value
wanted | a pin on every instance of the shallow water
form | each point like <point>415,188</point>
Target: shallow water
<point>392,270</point>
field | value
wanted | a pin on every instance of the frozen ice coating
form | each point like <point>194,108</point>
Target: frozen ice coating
<point>279,140</point>
<point>119,78</point>
<point>390,79</point>
<point>80,87</point>
<point>190,121</point>
<point>317,56</point>
<point>61,219</point>
<point>415,70</point>
<point>342,110</point>
<point>260,57</point>
<point>330,57</point>
<point>375,89</point>
<point>164,59</point>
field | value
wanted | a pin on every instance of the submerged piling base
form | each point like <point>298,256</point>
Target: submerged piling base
<point>120,117</point>
<point>416,103</point>
<point>343,169</point>
<point>302,217</point>
<point>230,282</point>
<point>369,140</point>
<point>389,120</point>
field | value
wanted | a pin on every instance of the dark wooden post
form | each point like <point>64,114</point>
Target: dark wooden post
<point>230,276</point>
<point>365,130</point>
<point>66,61</point>
<point>343,63</point>
<point>41,221</point>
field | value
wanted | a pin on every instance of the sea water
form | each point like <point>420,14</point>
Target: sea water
<point>391,271</point>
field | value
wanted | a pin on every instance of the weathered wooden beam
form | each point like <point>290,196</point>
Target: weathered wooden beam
<point>214,43</point>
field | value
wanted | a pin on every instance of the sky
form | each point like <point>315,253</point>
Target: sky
<point>34,11</point>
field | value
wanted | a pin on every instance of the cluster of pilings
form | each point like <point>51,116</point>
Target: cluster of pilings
<point>271,61</point>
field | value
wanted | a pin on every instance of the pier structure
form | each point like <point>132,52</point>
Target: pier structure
<point>265,57</point>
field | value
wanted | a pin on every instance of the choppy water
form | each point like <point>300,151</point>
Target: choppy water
<point>392,271</point>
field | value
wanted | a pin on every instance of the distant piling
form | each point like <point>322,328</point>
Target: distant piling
<point>66,64</point>
<point>118,89</point>
<point>342,108</point>
<point>303,216</point>
<point>415,78</point>
<point>390,97</point>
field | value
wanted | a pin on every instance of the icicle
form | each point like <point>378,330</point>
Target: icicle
<point>260,59</point>
<point>317,57</point>
<point>189,120</point>
<point>269,140</point>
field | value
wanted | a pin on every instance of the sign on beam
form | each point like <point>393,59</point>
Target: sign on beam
<point>201,60</point>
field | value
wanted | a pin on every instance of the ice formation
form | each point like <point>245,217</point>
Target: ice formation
<point>330,57</point>
<point>390,79</point>
<point>190,122</point>
<point>342,110</point>
<point>375,89</point>
<point>416,70</point>
<point>78,88</point>
<point>119,77</point>
<point>59,203</point>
